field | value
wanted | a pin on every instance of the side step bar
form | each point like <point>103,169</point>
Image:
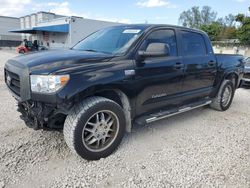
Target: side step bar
<point>164,114</point>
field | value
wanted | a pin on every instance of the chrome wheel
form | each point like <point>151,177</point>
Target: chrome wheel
<point>100,131</point>
<point>226,97</point>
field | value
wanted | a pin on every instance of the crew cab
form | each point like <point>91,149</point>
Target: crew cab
<point>118,77</point>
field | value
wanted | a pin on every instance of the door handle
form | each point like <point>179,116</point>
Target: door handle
<point>211,63</point>
<point>178,65</point>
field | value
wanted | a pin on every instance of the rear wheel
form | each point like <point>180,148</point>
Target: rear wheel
<point>95,128</point>
<point>224,98</point>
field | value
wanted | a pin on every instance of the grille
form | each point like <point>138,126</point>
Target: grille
<point>246,75</point>
<point>13,82</point>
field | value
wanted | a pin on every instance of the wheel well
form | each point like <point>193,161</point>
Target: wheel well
<point>110,94</point>
<point>122,99</point>
<point>233,77</point>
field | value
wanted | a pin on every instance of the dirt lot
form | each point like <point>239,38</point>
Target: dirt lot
<point>201,148</point>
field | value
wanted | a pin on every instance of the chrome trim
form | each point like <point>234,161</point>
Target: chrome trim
<point>152,119</point>
<point>246,79</point>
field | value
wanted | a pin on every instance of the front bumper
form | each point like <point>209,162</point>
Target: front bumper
<point>39,115</point>
<point>245,82</point>
<point>37,110</point>
<point>246,77</point>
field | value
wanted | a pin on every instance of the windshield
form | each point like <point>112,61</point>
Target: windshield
<point>114,40</point>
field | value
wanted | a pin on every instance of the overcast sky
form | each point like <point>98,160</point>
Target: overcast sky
<point>127,11</point>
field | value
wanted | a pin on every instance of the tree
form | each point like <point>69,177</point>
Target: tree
<point>190,18</point>
<point>206,20</point>
<point>229,21</point>
<point>213,30</point>
<point>195,17</point>
<point>207,15</point>
<point>229,33</point>
<point>243,32</point>
<point>229,30</point>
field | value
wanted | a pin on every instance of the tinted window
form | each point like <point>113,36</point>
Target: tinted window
<point>193,44</point>
<point>166,36</point>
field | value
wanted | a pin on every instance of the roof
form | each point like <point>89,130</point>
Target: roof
<point>38,13</point>
<point>9,17</point>
<point>63,28</point>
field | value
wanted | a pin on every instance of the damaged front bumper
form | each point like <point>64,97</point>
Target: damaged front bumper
<point>37,110</point>
<point>39,115</point>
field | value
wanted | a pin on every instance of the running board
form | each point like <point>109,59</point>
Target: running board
<point>164,114</point>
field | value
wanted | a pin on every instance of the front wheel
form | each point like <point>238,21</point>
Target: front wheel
<point>21,52</point>
<point>95,128</point>
<point>224,98</point>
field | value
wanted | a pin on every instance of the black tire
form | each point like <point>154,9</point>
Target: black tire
<point>21,52</point>
<point>218,102</point>
<point>76,122</point>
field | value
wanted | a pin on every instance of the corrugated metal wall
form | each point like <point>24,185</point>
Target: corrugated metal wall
<point>8,39</point>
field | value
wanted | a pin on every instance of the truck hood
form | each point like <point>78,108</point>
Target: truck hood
<point>47,62</point>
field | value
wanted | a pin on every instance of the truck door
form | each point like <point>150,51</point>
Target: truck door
<point>199,65</point>
<point>159,79</point>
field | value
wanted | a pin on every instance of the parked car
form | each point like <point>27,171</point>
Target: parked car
<point>246,77</point>
<point>28,46</point>
<point>117,77</point>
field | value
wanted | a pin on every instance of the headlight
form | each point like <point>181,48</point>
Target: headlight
<point>48,83</point>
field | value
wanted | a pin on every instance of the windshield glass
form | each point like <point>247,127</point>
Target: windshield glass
<point>114,40</point>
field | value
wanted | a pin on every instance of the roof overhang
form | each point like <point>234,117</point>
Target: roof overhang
<point>63,28</point>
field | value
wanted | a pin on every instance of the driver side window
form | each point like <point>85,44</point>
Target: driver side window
<point>166,36</point>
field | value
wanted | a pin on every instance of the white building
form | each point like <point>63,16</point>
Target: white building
<point>57,31</point>
<point>8,39</point>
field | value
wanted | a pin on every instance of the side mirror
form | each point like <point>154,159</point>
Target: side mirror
<point>155,50</point>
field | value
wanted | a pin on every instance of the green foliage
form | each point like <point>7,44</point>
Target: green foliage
<point>213,30</point>
<point>217,29</point>
<point>243,32</point>
<point>206,20</point>
<point>229,33</point>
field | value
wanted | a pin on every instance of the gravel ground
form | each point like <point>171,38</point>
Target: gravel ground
<point>201,148</point>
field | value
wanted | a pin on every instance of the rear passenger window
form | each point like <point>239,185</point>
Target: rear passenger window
<point>193,44</point>
<point>166,36</point>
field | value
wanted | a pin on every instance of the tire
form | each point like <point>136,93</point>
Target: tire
<point>21,52</point>
<point>90,121</point>
<point>220,103</point>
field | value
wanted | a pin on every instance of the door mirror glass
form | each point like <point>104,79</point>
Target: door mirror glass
<point>155,49</point>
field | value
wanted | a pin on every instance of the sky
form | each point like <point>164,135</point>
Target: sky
<point>124,11</point>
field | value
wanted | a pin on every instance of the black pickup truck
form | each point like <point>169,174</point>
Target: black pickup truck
<point>117,77</point>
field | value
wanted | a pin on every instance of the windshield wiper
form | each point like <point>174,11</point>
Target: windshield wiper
<point>90,50</point>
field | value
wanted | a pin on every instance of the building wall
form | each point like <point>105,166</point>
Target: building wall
<point>52,40</point>
<point>45,16</point>
<point>7,24</point>
<point>59,40</point>
<point>56,21</point>
<point>33,20</point>
<point>79,28</point>
<point>8,39</point>
<point>27,22</point>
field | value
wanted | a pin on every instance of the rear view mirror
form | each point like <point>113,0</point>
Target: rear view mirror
<point>155,50</point>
